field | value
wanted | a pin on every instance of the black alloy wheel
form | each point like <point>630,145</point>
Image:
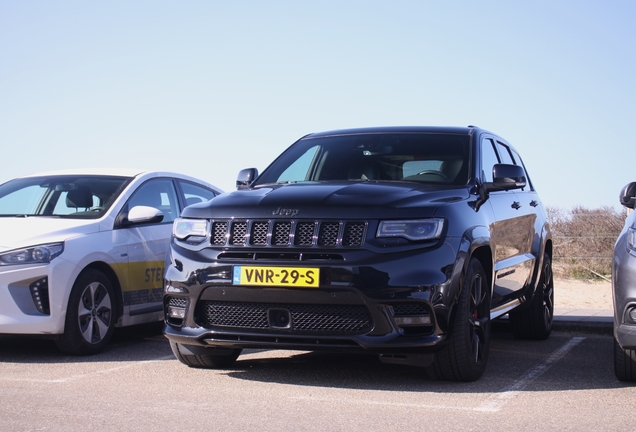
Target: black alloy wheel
<point>465,357</point>
<point>535,321</point>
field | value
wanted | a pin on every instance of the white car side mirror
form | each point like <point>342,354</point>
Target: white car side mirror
<point>144,214</point>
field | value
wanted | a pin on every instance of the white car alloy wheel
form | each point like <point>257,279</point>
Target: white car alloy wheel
<point>90,319</point>
<point>94,312</point>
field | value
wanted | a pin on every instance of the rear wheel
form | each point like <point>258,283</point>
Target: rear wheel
<point>535,321</point>
<point>465,356</point>
<point>90,315</point>
<point>201,357</point>
<point>624,363</point>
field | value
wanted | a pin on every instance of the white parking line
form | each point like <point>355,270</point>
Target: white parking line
<point>91,374</point>
<point>497,401</point>
<point>493,404</point>
<point>383,403</point>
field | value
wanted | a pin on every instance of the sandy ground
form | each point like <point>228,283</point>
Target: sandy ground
<point>582,294</point>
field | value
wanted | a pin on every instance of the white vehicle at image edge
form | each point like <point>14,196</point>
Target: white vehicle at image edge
<point>82,252</point>
<point>624,291</point>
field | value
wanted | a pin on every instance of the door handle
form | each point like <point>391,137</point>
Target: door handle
<point>515,205</point>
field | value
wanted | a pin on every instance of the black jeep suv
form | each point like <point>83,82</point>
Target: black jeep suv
<point>404,242</point>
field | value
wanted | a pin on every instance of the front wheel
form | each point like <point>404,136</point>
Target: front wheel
<point>201,357</point>
<point>535,322</point>
<point>624,363</point>
<point>90,315</point>
<point>465,356</point>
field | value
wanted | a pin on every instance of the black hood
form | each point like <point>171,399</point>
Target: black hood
<point>360,200</point>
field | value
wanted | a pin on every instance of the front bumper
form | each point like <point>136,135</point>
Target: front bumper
<point>394,304</point>
<point>31,297</point>
<point>624,295</point>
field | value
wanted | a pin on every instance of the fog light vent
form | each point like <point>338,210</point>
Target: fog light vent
<point>40,294</point>
<point>176,310</point>
<point>411,318</point>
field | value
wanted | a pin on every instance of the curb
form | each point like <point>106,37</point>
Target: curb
<point>587,321</point>
<point>591,321</point>
<point>601,328</point>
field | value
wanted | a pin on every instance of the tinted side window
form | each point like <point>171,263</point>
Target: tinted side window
<point>518,161</point>
<point>488,159</point>
<point>160,194</point>
<point>194,193</point>
<point>504,154</point>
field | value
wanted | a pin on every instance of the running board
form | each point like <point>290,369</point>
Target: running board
<point>504,309</point>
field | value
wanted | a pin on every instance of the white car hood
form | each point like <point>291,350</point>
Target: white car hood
<point>17,232</point>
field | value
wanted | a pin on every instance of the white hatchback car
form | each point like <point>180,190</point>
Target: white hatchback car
<point>83,252</point>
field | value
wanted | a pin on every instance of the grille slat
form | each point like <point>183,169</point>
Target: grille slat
<point>282,230</point>
<point>328,234</point>
<point>259,233</point>
<point>305,318</point>
<point>219,232</point>
<point>303,233</point>
<point>237,235</point>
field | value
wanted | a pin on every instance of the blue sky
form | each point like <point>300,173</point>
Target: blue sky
<point>208,88</point>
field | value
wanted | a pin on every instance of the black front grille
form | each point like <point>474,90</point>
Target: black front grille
<point>299,233</point>
<point>305,318</point>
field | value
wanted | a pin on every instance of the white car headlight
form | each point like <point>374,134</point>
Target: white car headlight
<point>416,230</point>
<point>196,229</point>
<point>32,255</point>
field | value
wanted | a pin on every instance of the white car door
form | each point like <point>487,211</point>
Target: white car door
<point>147,245</point>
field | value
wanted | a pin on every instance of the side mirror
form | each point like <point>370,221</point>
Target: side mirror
<point>627,197</point>
<point>144,214</point>
<point>246,177</point>
<point>506,177</point>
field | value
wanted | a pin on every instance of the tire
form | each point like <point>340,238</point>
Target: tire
<point>90,315</point>
<point>208,361</point>
<point>535,321</point>
<point>465,356</point>
<point>624,363</point>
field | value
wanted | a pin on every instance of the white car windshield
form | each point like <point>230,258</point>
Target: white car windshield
<point>67,196</point>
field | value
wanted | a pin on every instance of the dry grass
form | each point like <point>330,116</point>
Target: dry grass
<point>584,241</point>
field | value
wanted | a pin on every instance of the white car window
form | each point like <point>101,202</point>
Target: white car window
<point>195,194</point>
<point>160,194</point>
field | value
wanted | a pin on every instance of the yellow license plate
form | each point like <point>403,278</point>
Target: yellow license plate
<point>276,276</point>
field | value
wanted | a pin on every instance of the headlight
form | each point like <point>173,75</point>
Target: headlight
<point>419,229</point>
<point>631,238</point>
<point>32,255</point>
<point>194,229</point>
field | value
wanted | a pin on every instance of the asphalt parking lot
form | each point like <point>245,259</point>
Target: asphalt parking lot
<point>564,383</point>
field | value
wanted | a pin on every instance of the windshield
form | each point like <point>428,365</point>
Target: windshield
<point>415,157</point>
<point>71,196</point>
